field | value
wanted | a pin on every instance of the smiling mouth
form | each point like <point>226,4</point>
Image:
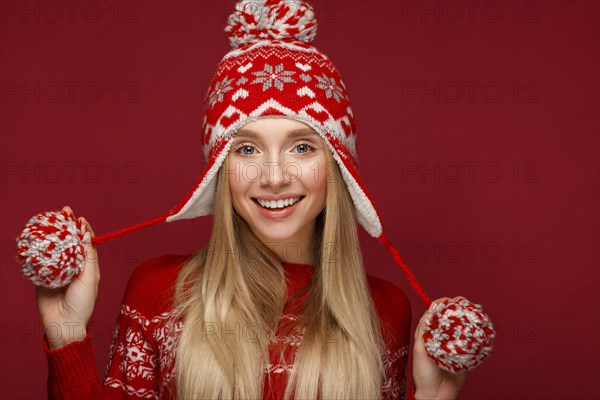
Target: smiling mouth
<point>277,208</point>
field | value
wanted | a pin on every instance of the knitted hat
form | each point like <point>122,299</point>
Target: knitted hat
<point>272,70</point>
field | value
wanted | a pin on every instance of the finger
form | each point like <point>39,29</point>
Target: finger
<point>423,322</point>
<point>91,255</point>
<point>441,300</point>
<point>427,315</point>
<point>69,211</point>
<point>88,227</point>
<point>433,308</point>
<point>421,329</point>
<point>90,273</point>
<point>90,252</point>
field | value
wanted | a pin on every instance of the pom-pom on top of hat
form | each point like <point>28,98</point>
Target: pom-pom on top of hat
<point>255,20</point>
<point>458,336</point>
<point>51,249</point>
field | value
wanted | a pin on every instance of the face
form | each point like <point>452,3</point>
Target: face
<point>277,177</point>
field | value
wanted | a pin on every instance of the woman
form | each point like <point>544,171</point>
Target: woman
<point>278,304</point>
<point>246,268</point>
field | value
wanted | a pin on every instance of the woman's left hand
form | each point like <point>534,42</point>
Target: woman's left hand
<point>432,382</point>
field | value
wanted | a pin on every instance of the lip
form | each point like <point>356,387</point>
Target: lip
<point>279,213</point>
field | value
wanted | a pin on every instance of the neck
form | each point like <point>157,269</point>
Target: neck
<point>292,251</point>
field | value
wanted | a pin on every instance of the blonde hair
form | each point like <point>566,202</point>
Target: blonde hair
<point>235,284</point>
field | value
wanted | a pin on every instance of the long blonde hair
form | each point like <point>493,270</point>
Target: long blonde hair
<point>231,294</point>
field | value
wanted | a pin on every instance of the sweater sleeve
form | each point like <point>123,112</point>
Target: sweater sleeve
<point>72,370</point>
<point>131,373</point>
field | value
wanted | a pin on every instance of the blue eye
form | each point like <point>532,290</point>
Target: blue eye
<point>306,146</point>
<point>243,149</point>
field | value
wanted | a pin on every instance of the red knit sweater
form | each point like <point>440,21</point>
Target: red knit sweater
<point>141,357</point>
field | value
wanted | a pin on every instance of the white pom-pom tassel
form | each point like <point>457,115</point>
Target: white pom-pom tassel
<point>51,249</point>
<point>255,20</point>
<point>458,336</point>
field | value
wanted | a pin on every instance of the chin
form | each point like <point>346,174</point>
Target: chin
<point>275,234</point>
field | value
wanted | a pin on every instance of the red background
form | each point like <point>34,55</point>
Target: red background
<point>517,231</point>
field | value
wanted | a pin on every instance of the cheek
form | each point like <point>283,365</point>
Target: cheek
<point>314,177</point>
<point>237,186</point>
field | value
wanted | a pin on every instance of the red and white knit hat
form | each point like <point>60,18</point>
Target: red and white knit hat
<point>271,71</point>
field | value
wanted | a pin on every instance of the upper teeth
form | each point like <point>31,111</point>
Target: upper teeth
<point>278,203</point>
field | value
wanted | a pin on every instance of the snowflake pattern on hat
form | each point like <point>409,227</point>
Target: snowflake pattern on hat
<point>270,78</point>
<point>309,89</point>
<point>218,93</point>
<point>331,88</point>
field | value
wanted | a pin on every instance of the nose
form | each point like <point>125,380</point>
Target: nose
<point>274,173</point>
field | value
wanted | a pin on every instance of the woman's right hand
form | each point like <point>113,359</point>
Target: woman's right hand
<point>66,311</point>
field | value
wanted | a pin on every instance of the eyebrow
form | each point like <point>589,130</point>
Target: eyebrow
<point>248,133</point>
